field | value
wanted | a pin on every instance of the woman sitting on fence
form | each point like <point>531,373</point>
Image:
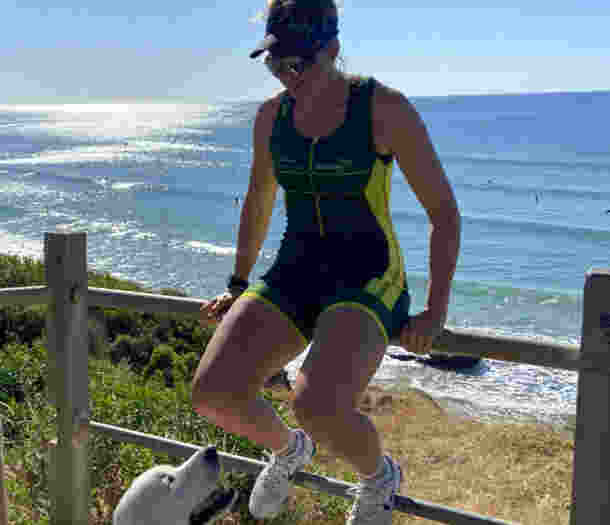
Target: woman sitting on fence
<point>338,280</point>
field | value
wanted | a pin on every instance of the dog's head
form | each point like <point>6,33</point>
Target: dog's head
<point>166,495</point>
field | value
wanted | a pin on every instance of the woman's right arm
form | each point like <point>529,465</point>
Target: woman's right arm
<point>256,210</point>
<point>260,198</point>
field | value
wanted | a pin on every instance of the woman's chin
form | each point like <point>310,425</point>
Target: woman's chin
<point>296,89</point>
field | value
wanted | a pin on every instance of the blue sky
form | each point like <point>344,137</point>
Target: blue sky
<point>198,50</point>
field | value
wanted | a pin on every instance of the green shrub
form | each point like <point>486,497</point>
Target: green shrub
<point>19,271</point>
<point>162,360</point>
<point>121,348</point>
<point>22,324</point>
<point>143,386</point>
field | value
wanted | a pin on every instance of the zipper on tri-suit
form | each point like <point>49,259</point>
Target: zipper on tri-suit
<point>316,197</point>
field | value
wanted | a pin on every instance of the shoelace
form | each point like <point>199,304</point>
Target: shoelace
<point>369,499</point>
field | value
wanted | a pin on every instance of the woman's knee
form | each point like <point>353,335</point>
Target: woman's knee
<point>241,355</point>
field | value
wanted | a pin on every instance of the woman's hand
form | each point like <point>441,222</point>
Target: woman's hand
<point>422,329</point>
<point>213,311</point>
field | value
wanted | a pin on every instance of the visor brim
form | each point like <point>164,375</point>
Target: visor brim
<point>264,45</point>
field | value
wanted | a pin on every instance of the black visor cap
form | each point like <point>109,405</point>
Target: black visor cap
<point>285,36</point>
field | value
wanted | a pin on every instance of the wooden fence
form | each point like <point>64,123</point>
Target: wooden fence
<point>68,297</point>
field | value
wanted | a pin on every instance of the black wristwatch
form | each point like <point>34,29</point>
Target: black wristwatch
<point>236,285</point>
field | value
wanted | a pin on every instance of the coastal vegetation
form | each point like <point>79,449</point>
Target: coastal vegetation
<point>140,368</point>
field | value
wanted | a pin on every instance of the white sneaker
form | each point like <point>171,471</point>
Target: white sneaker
<point>374,500</point>
<point>274,483</point>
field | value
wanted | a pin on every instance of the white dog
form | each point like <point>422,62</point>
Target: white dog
<point>184,495</point>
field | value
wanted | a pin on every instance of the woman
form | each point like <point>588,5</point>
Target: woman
<point>338,280</point>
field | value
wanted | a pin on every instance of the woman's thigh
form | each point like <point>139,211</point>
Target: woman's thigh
<point>252,342</point>
<point>347,350</point>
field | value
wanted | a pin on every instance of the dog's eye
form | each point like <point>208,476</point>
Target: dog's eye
<point>168,480</point>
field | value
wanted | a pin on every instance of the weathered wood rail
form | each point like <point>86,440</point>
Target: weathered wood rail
<point>69,296</point>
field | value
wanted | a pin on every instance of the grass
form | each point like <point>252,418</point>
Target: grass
<point>515,472</point>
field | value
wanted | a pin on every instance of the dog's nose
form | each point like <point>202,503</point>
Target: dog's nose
<point>210,454</point>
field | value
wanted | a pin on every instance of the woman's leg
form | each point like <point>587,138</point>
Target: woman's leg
<point>252,342</point>
<point>347,349</point>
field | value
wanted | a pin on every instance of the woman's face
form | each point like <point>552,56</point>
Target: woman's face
<point>314,77</point>
<point>299,84</point>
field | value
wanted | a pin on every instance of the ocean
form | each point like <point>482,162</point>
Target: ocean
<point>158,188</point>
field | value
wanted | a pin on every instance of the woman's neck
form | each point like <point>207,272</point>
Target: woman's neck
<point>334,94</point>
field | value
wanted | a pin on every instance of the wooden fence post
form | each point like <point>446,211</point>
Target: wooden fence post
<point>68,381</point>
<point>3,497</point>
<point>591,476</point>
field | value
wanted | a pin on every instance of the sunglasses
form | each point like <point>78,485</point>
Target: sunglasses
<point>294,65</point>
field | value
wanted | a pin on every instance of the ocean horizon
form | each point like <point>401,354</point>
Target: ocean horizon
<point>173,99</point>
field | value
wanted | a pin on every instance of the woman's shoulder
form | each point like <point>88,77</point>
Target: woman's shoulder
<point>394,116</point>
<point>267,112</point>
<point>271,105</point>
<point>388,96</point>
<point>392,104</point>
<point>385,98</point>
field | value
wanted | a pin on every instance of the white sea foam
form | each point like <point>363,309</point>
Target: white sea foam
<point>142,108</point>
<point>84,154</point>
<point>14,244</point>
<point>194,131</point>
<point>126,186</point>
<point>212,248</point>
<point>145,236</point>
<point>140,151</point>
<point>118,186</point>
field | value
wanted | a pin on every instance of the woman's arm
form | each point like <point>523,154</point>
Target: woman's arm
<point>405,134</point>
<point>255,213</point>
<point>260,198</point>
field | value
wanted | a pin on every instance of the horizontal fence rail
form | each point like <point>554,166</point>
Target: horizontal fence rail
<point>468,341</point>
<point>69,298</point>
<point>334,487</point>
<point>25,296</point>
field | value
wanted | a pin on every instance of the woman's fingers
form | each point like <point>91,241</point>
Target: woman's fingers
<point>414,342</point>
<point>214,310</point>
<point>207,311</point>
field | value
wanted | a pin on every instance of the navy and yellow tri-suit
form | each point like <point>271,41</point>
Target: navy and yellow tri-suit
<point>339,247</point>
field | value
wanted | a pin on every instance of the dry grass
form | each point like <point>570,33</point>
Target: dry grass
<point>521,473</point>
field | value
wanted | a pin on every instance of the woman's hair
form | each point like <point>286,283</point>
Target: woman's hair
<point>325,7</point>
<point>305,9</point>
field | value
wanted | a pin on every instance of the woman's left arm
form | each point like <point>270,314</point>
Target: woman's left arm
<point>405,134</point>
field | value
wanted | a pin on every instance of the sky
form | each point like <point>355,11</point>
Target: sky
<point>197,50</point>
